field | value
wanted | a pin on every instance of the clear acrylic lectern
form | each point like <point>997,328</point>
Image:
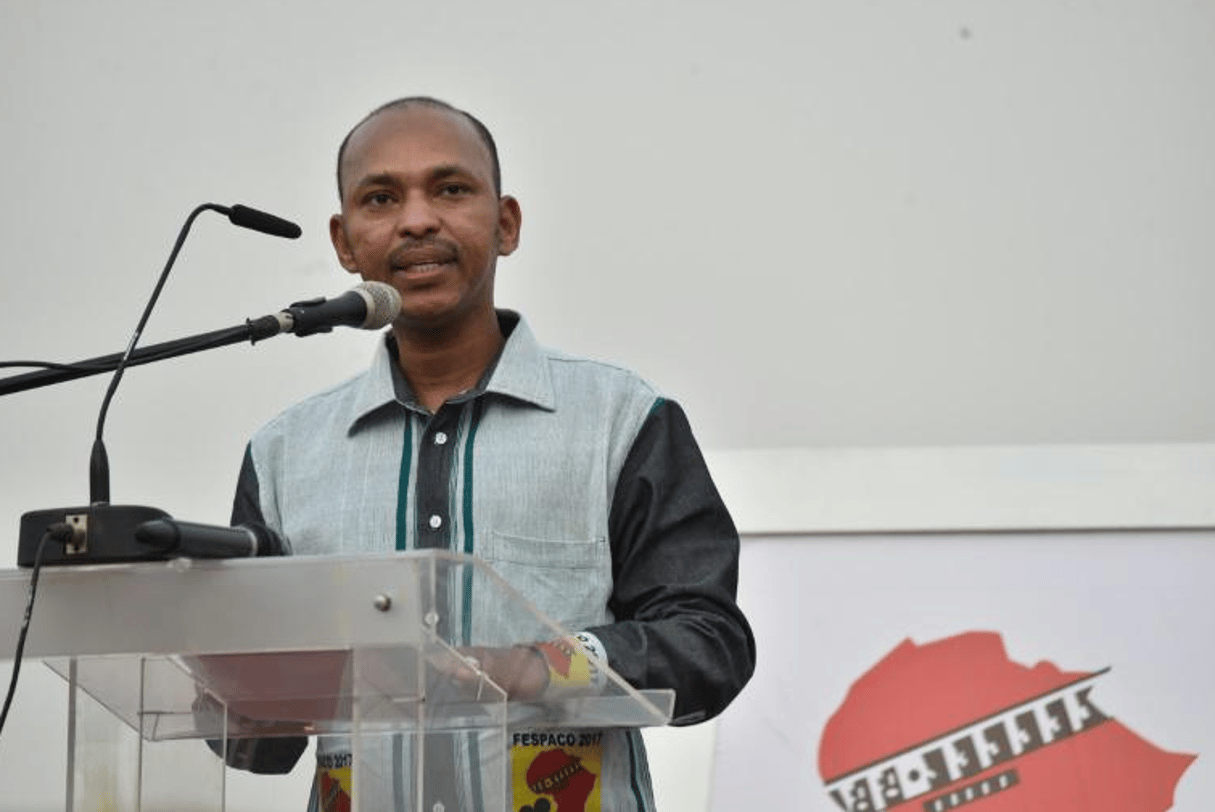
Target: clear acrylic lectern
<point>168,660</point>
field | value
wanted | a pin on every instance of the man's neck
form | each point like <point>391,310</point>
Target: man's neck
<point>441,363</point>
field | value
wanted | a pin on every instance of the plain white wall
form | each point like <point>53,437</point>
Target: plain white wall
<point>826,223</point>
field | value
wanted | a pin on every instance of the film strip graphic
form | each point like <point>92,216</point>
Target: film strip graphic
<point>943,773</point>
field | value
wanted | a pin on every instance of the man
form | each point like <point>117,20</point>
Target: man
<point>573,479</point>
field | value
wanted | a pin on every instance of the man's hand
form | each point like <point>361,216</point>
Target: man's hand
<point>521,671</point>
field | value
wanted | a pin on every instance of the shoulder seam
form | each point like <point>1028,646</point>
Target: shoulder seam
<point>313,400</point>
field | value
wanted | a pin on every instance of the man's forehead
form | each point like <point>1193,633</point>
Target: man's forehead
<point>417,130</point>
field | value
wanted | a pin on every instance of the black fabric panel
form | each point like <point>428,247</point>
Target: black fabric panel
<point>675,572</point>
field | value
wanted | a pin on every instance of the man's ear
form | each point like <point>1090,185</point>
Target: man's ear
<point>341,245</point>
<point>510,219</point>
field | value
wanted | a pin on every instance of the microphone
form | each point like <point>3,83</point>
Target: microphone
<point>193,540</point>
<point>99,465</point>
<point>368,305</point>
<point>246,217</point>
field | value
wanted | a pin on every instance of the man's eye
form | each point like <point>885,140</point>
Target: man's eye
<point>378,198</point>
<point>453,189</point>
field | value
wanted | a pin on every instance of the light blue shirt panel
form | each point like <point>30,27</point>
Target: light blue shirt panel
<point>551,475</point>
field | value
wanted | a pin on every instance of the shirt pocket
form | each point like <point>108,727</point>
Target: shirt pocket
<point>569,582</point>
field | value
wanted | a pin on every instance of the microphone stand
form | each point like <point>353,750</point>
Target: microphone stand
<point>102,531</point>
<point>253,330</point>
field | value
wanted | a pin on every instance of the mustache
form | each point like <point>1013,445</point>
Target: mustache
<point>423,249</point>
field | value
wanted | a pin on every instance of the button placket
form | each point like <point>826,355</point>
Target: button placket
<point>435,462</point>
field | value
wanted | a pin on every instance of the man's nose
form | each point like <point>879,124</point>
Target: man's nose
<point>417,216</point>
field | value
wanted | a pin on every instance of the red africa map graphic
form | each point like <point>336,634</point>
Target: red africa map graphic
<point>955,723</point>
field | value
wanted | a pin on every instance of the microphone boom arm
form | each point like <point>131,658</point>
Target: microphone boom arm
<point>368,305</point>
<point>252,331</point>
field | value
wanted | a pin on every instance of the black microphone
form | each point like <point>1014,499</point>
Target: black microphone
<point>99,465</point>
<point>246,217</point>
<point>193,540</point>
<point>368,305</point>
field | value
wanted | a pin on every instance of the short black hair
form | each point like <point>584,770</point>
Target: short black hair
<point>407,101</point>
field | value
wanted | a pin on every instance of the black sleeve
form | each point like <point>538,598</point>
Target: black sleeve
<point>263,756</point>
<point>268,755</point>
<point>246,505</point>
<point>675,574</point>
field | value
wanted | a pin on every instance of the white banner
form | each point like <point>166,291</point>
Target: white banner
<point>1055,672</point>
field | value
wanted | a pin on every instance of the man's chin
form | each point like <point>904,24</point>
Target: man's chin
<point>434,319</point>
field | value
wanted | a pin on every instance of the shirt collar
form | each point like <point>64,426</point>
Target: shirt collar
<point>520,372</point>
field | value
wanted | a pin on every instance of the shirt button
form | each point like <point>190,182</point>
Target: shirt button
<point>440,438</point>
<point>436,521</point>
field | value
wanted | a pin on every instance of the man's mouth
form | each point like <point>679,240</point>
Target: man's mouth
<point>420,267</point>
<point>421,259</point>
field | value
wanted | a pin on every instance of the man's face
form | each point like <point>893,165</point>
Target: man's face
<point>419,211</point>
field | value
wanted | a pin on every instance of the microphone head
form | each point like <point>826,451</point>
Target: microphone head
<point>246,217</point>
<point>383,304</point>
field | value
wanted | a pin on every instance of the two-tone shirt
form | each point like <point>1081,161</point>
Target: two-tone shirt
<point>573,479</point>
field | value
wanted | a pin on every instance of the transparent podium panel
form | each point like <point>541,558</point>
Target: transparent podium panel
<point>407,669</point>
<point>113,767</point>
